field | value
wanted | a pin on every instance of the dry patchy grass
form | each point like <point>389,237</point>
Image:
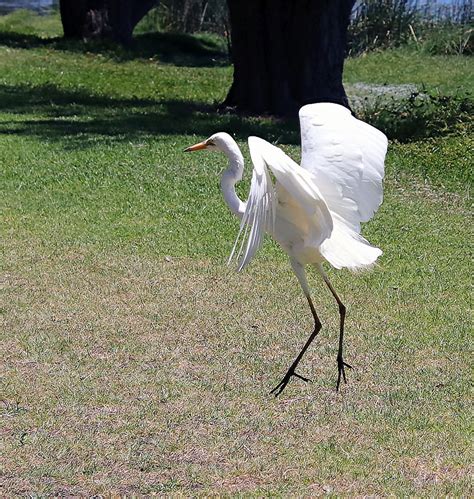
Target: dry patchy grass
<point>126,374</point>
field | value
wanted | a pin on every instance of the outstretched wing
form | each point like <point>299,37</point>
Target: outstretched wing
<point>261,205</point>
<point>346,157</point>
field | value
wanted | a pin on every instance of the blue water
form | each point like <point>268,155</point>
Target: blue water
<point>454,10</point>
<point>37,5</point>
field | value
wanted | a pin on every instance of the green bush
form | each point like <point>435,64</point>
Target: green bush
<point>447,39</point>
<point>187,16</point>
<point>423,114</point>
<point>380,24</point>
<point>434,28</point>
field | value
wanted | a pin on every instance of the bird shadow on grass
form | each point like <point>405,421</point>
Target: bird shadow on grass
<point>79,119</point>
<point>172,48</point>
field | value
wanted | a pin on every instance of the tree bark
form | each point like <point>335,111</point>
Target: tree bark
<point>287,54</point>
<point>73,17</point>
<point>113,19</point>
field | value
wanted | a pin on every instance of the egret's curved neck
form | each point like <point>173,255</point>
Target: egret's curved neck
<point>231,176</point>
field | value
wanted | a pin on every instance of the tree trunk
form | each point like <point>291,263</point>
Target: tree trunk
<point>73,17</point>
<point>114,19</point>
<point>287,54</point>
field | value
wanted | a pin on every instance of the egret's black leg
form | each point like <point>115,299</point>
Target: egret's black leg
<point>340,361</point>
<point>299,271</point>
<point>342,314</point>
<point>291,371</point>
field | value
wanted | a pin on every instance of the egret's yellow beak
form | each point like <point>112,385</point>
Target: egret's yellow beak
<point>196,147</point>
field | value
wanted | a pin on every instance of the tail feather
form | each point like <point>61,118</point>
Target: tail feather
<point>348,249</point>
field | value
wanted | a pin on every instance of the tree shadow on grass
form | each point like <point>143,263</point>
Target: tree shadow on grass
<point>172,48</point>
<point>78,119</point>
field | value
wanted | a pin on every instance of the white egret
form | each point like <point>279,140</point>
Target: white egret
<point>314,211</point>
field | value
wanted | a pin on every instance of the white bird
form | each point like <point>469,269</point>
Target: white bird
<point>314,211</point>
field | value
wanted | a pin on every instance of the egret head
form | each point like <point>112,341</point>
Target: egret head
<point>218,142</point>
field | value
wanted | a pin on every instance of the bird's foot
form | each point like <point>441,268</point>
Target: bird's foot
<point>282,385</point>
<point>341,373</point>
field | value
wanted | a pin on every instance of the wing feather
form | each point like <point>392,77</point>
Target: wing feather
<point>259,214</point>
<point>260,211</point>
<point>346,159</point>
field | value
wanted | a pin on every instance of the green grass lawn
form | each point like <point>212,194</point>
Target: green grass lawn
<point>135,362</point>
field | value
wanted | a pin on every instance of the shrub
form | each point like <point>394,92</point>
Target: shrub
<point>448,39</point>
<point>423,114</point>
<point>380,24</point>
<point>432,27</point>
<point>188,16</point>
